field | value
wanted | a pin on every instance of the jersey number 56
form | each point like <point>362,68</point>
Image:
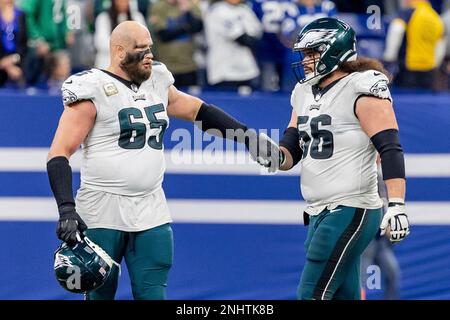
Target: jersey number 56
<point>322,143</point>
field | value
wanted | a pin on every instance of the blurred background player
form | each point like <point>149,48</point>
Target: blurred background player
<point>120,115</point>
<point>342,116</point>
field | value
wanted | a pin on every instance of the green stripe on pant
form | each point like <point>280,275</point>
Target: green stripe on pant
<point>333,248</point>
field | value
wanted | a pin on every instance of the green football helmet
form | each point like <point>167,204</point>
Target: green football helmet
<point>83,267</point>
<point>335,41</point>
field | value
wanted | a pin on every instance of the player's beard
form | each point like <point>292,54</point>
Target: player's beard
<point>132,66</point>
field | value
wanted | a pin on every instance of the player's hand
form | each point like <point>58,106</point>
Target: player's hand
<point>69,224</point>
<point>265,151</point>
<point>395,221</point>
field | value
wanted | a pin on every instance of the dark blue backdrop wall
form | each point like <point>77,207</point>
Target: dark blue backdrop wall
<point>217,254</point>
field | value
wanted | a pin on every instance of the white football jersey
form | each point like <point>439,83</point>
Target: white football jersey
<point>123,154</point>
<point>338,166</point>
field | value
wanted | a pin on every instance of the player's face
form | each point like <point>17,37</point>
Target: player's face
<point>310,57</point>
<point>138,61</point>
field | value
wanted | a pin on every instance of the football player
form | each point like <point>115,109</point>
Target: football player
<point>119,115</point>
<point>342,116</point>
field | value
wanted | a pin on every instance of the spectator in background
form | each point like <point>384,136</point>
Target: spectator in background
<point>232,32</point>
<point>13,43</point>
<point>270,50</point>
<point>416,40</point>
<point>175,22</point>
<point>47,31</point>
<point>94,8</point>
<point>57,70</point>
<point>105,22</point>
<point>281,21</point>
<point>82,56</point>
<point>98,6</point>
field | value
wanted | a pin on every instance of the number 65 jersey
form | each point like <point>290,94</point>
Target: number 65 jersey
<point>123,156</point>
<point>338,166</point>
<point>123,153</point>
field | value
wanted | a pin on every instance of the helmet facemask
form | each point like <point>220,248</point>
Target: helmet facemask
<point>298,67</point>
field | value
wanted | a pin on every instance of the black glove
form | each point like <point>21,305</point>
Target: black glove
<point>70,223</point>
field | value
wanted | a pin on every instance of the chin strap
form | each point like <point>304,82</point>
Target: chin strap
<point>102,253</point>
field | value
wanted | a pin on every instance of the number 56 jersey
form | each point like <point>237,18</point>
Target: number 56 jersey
<point>123,153</point>
<point>339,160</point>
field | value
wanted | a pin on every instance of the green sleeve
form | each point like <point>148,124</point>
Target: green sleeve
<point>30,7</point>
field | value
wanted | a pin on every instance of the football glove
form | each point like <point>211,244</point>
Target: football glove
<point>397,220</point>
<point>69,224</point>
<point>265,151</point>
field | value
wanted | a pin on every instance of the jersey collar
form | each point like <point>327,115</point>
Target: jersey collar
<point>318,92</point>
<point>133,86</point>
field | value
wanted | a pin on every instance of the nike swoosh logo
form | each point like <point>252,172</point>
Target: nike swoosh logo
<point>68,82</point>
<point>335,210</point>
<point>376,73</point>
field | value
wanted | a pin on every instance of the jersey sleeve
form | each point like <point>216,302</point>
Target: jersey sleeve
<point>293,98</point>
<point>163,74</point>
<point>297,98</point>
<point>372,83</point>
<point>77,88</point>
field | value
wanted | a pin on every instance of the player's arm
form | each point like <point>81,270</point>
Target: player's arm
<point>74,125</point>
<point>377,119</point>
<point>217,122</point>
<point>182,105</point>
<point>289,145</point>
